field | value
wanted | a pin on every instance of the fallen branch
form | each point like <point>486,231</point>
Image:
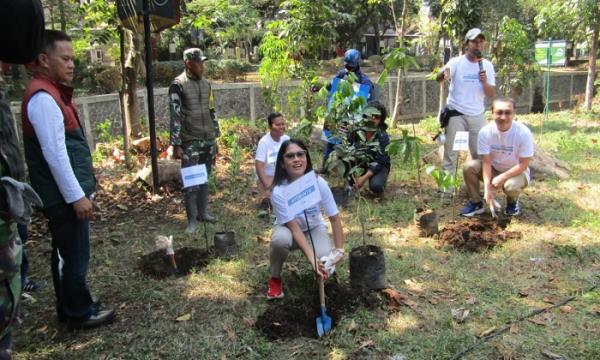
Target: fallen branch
<point>506,327</point>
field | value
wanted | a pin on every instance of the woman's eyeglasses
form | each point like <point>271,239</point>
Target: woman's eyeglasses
<point>298,154</point>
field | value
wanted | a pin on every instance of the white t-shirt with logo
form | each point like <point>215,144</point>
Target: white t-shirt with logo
<point>506,148</point>
<point>466,91</point>
<point>267,152</point>
<point>313,213</point>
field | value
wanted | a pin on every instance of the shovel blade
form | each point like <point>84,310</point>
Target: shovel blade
<point>323,323</point>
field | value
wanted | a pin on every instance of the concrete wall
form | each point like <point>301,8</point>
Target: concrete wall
<point>246,100</point>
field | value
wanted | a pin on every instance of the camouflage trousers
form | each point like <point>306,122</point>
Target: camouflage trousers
<point>196,153</point>
<point>11,251</point>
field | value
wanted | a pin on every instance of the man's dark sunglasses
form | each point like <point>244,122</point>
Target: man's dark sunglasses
<point>298,154</point>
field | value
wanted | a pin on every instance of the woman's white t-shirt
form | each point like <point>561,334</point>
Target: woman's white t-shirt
<point>313,213</point>
<point>267,152</point>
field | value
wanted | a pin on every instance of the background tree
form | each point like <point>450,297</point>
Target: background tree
<point>514,57</point>
<point>226,22</point>
<point>292,46</point>
<point>576,20</point>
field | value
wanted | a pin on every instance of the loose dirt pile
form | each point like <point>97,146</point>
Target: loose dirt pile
<point>157,264</point>
<point>292,318</point>
<point>476,235</point>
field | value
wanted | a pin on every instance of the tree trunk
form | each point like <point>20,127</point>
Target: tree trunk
<point>63,21</point>
<point>125,120</point>
<point>589,86</point>
<point>132,66</point>
<point>400,78</point>
<point>377,37</point>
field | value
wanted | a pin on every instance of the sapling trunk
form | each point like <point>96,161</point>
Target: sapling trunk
<point>361,221</point>
<point>418,166</point>
<point>455,192</point>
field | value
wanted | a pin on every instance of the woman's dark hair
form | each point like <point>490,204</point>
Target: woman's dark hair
<point>273,116</point>
<point>280,172</point>
<point>379,106</point>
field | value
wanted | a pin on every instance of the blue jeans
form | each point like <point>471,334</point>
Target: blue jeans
<point>70,259</point>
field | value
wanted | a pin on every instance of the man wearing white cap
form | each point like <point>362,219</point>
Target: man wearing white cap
<point>472,78</point>
<point>194,130</point>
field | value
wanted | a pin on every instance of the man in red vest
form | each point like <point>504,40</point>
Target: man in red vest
<point>60,170</point>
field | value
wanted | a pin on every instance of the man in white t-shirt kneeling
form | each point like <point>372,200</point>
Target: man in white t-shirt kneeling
<point>505,147</point>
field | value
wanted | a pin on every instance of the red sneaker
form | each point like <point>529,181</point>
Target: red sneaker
<point>274,291</point>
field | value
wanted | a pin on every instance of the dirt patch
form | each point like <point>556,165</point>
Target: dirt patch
<point>292,318</point>
<point>157,264</point>
<point>476,235</point>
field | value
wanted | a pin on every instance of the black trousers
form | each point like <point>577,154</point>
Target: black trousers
<point>70,259</point>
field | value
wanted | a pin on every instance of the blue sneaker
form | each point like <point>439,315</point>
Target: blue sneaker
<point>472,209</point>
<point>512,209</point>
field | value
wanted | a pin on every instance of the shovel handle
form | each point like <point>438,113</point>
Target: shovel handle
<point>321,292</point>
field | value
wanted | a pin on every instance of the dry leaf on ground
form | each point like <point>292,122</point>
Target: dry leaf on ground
<point>565,309</point>
<point>185,317</point>
<point>460,315</point>
<point>550,355</point>
<point>486,332</point>
<point>352,327</point>
<point>367,344</point>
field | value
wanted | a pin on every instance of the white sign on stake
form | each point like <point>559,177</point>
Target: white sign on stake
<point>194,175</point>
<point>302,194</point>
<point>461,141</point>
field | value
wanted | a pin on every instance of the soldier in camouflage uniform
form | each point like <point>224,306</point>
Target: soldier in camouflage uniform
<point>194,130</point>
<point>11,249</point>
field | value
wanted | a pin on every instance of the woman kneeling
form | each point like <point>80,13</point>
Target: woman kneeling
<point>291,231</point>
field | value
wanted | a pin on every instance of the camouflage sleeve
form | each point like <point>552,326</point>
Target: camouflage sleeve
<point>213,113</point>
<point>175,92</point>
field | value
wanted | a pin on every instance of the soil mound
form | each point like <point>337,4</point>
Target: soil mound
<point>476,235</point>
<point>157,264</point>
<point>292,318</point>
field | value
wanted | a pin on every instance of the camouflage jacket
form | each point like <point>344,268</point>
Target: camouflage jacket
<point>11,249</point>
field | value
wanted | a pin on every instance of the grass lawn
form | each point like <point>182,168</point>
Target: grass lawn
<point>211,314</point>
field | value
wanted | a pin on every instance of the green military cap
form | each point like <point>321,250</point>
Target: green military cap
<point>194,54</point>
<point>371,111</point>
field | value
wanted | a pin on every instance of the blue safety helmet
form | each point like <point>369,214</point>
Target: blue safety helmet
<point>352,58</point>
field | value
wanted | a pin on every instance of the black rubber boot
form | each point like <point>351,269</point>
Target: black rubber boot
<point>203,214</point>
<point>191,209</point>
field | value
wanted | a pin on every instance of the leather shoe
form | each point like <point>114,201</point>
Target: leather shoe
<point>99,318</point>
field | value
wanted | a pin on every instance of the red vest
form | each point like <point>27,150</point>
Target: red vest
<point>77,149</point>
<point>62,94</point>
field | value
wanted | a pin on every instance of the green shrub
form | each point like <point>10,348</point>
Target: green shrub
<point>104,130</point>
<point>211,68</point>
<point>108,80</point>
<point>165,71</point>
<point>245,133</point>
<point>231,69</point>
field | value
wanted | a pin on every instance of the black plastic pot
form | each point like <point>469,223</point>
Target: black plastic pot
<point>367,268</point>
<point>225,243</point>
<point>426,221</point>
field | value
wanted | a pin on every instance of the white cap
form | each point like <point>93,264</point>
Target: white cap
<point>473,34</point>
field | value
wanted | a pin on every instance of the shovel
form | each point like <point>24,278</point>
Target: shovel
<point>493,206</point>
<point>323,321</point>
